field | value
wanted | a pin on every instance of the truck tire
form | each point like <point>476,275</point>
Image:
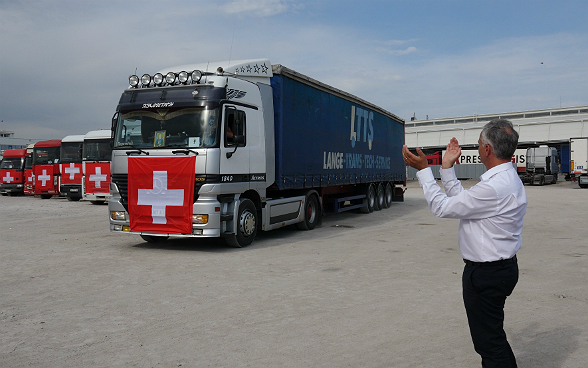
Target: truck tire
<point>370,198</point>
<point>388,195</point>
<point>380,197</point>
<point>554,179</point>
<point>312,213</point>
<point>154,238</point>
<point>246,225</point>
<point>541,180</point>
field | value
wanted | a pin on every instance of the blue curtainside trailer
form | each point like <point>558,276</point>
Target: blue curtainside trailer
<point>327,137</point>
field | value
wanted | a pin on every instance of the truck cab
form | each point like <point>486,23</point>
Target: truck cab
<point>96,158</point>
<point>71,170</point>
<point>542,166</point>
<point>12,172</point>
<point>46,158</point>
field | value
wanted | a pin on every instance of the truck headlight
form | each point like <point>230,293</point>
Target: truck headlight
<point>200,219</point>
<point>118,215</point>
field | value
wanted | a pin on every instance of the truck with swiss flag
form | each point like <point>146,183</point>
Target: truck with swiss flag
<point>228,149</point>
<point>72,172</point>
<point>96,158</point>
<point>46,172</point>
<point>12,172</point>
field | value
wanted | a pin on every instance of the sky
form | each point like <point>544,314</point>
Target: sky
<point>65,63</point>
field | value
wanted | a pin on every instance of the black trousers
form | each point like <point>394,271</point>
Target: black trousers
<point>485,288</point>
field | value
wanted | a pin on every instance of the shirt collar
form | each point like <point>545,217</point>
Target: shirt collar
<point>495,170</point>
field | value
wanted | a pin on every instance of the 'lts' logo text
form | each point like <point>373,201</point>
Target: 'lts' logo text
<point>362,128</point>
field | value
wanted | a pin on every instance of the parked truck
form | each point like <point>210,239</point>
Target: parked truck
<point>28,172</point>
<point>12,172</point>
<point>96,157</point>
<point>72,172</point>
<point>542,166</point>
<point>46,156</point>
<point>579,160</point>
<point>201,151</point>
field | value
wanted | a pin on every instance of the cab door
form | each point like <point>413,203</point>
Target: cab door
<point>234,160</point>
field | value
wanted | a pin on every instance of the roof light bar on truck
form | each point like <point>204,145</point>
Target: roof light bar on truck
<point>170,79</point>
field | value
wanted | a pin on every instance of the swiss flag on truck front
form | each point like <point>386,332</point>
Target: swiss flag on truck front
<point>97,177</point>
<point>71,173</point>
<point>161,194</point>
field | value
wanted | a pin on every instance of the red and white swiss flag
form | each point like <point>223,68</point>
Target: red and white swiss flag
<point>44,177</point>
<point>71,173</point>
<point>10,176</point>
<point>161,194</point>
<point>97,177</point>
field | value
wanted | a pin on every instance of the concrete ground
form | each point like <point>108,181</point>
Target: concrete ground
<point>377,290</point>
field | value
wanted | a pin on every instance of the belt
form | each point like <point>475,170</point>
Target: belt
<point>499,263</point>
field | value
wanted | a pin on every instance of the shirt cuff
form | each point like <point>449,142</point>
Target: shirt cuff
<point>425,175</point>
<point>447,174</point>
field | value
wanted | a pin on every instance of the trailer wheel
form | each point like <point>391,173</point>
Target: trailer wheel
<point>370,198</point>
<point>380,197</point>
<point>154,238</point>
<point>312,214</point>
<point>388,195</point>
<point>246,226</point>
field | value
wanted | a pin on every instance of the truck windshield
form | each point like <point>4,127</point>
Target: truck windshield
<point>97,150</point>
<point>71,152</point>
<point>46,155</point>
<point>159,128</point>
<point>10,163</point>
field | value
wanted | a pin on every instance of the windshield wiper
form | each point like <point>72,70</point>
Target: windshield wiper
<point>185,151</point>
<point>137,151</point>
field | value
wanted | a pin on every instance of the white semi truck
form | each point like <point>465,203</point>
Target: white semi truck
<point>226,149</point>
<point>579,160</point>
<point>542,166</point>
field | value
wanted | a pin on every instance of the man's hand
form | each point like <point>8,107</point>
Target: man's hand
<point>418,162</point>
<point>451,155</point>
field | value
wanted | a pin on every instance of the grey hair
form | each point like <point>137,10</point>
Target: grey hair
<point>502,137</point>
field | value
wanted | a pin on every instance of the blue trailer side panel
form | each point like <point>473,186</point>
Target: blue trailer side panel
<point>565,158</point>
<point>323,139</point>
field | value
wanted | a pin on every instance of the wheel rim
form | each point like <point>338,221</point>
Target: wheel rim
<point>247,223</point>
<point>372,194</point>
<point>311,212</point>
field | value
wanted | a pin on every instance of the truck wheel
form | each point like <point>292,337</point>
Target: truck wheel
<point>388,195</point>
<point>554,179</point>
<point>246,226</point>
<point>542,180</point>
<point>370,199</point>
<point>154,238</point>
<point>311,214</point>
<point>380,197</point>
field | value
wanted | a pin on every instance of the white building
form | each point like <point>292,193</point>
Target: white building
<point>550,126</point>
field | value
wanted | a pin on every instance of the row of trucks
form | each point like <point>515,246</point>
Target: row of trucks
<point>77,167</point>
<point>229,149</point>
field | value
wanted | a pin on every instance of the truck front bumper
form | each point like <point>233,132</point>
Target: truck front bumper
<point>119,219</point>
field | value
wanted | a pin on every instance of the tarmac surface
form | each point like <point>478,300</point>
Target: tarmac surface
<point>377,290</point>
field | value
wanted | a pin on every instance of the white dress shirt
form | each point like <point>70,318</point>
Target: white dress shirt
<point>491,212</point>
